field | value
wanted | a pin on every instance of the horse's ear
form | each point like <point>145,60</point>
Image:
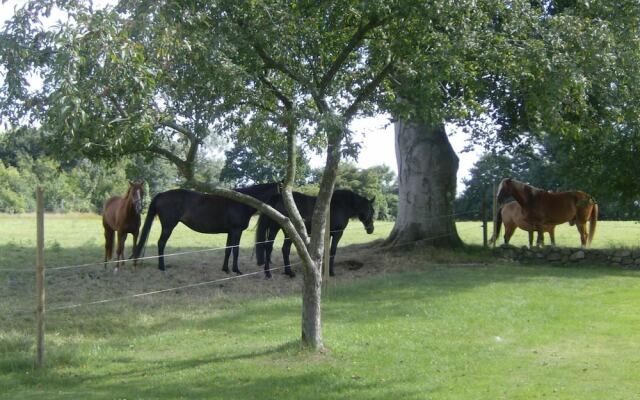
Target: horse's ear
<point>131,183</point>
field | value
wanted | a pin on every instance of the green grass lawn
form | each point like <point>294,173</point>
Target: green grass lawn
<point>413,329</point>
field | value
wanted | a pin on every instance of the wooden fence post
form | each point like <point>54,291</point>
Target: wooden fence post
<point>484,222</point>
<point>494,213</point>
<point>40,278</point>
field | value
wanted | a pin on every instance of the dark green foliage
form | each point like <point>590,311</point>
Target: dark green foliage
<point>379,182</point>
<point>261,159</point>
<point>547,170</point>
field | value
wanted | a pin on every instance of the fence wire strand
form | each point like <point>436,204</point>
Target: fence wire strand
<point>205,283</point>
<point>124,261</point>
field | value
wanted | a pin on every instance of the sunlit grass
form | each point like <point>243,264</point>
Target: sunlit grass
<point>609,234</point>
<point>414,329</point>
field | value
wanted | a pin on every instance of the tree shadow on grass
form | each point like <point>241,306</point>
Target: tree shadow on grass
<point>208,376</point>
<point>350,300</point>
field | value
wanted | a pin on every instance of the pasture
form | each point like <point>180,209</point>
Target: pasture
<point>421,324</point>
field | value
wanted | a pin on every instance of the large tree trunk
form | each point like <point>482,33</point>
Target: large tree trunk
<point>427,168</point>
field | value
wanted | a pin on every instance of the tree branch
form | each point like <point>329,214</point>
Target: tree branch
<point>288,104</point>
<point>114,101</point>
<point>287,195</point>
<point>173,125</point>
<point>177,161</point>
<point>271,63</point>
<point>351,45</point>
<point>367,90</point>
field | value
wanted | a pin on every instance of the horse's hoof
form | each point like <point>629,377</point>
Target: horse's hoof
<point>237,271</point>
<point>225,270</point>
<point>267,275</point>
<point>291,274</point>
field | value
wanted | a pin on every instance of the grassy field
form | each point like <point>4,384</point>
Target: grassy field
<point>421,325</point>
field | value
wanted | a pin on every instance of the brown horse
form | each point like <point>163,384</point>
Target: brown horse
<point>542,208</point>
<point>122,215</point>
<point>512,216</point>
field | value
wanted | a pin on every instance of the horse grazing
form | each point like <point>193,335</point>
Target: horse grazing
<point>512,216</point>
<point>122,215</point>
<point>204,213</point>
<point>541,208</point>
<point>345,204</point>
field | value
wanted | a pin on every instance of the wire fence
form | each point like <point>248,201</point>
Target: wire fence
<point>181,253</point>
<point>59,307</point>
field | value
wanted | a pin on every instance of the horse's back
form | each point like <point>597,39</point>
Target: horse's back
<point>202,212</point>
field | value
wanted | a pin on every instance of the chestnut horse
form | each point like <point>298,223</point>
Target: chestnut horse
<point>122,215</point>
<point>512,216</point>
<point>542,208</point>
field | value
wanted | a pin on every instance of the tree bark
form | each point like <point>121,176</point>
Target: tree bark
<point>427,168</point>
<point>312,306</point>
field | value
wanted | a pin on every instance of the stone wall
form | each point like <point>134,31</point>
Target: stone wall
<point>564,255</point>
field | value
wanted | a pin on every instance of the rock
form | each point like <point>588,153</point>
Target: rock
<point>622,253</point>
<point>578,255</point>
<point>554,257</point>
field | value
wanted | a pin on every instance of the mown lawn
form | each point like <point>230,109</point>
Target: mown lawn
<point>414,328</point>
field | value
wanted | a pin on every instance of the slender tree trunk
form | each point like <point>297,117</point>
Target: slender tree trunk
<point>311,307</point>
<point>427,168</point>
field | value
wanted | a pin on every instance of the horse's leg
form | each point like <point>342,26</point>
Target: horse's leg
<point>508,232</point>
<point>552,236</point>
<point>133,248</point>
<point>109,235</point>
<point>268,249</point>
<point>582,229</point>
<point>530,234</point>
<point>286,250</point>
<point>540,240</point>
<point>162,242</point>
<point>227,253</point>
<point>122,237</point>
<point>235,238</point>
<point>335,238</point>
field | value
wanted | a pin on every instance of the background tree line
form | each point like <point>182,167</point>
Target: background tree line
<point>83,185</point>
<point>544,169</point>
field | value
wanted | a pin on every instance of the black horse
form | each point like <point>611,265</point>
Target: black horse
<point>345,204</point>
<point>204,213</point>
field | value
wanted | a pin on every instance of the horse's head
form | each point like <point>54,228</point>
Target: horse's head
<point>136,193</point>
<point>504,190</point>
<point>366,213</point>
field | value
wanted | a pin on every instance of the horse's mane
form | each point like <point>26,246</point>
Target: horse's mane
<point>350,194</point>
<point>522,185</point>
<point>254,188</point>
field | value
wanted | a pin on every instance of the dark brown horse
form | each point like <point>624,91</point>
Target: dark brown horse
<point>344,205</point>
<point>121,215</point>
<point>204,213</point>
<point>541,208</point>
<point>512,216</point>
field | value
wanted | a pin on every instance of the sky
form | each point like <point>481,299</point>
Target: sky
<point>375,134</point>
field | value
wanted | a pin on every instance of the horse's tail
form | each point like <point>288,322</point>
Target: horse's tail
<point>593,219</point>
<point>261,236</point>
<point>497,225</point>
<point>144,235</point>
